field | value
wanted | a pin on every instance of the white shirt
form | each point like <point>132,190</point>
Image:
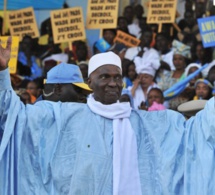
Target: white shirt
<point>168,58</point>
<point>139,95</point>
<point>134,29</point>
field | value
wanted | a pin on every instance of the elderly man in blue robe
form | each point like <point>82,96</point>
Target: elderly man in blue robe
<point>102,147</point>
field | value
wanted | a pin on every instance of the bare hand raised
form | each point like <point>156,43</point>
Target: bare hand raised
<point>5,54</point>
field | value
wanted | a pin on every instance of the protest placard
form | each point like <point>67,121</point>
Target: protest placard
<point>22,22</point>
<point>14,52</point>
<point>126,39</point>
<point>161,11</point>
<point>68,25</point>
<point>102,14</point>
<point>207,31</point>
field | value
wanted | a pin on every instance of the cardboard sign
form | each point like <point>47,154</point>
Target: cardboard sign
<point>161,11</point>
<point>102,14</point>
<point>207,31</point>
<point>22,22</point>
<point>126,39</point>
<point>68,25</point>
<point>14,52</point>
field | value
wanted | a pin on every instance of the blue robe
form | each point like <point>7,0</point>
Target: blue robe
<point>64,148</point>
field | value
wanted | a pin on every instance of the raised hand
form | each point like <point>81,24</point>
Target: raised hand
<point>5,54</point>
<point>136,82</point>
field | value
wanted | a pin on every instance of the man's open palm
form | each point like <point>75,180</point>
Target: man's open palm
<point>5,54</point>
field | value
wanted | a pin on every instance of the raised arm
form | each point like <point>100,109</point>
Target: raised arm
<point>5,54</point>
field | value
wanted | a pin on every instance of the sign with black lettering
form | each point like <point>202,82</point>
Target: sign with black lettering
<point>126,39</point>
<point>102,14</point>
<point>22,22</point>
<point>14,52</point>
<point>161,11</point>
<point>68,25</point>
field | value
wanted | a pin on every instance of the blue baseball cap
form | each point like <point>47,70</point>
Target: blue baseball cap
<point>66,73</point>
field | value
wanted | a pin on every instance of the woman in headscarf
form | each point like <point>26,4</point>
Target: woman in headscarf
<point>189,70</point>
<point>181,54</point>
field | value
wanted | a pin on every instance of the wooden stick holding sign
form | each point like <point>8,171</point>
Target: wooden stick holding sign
<point>5,16</point>
<point>176,27</point>
<point>70,46</point>
<point>159,27</point>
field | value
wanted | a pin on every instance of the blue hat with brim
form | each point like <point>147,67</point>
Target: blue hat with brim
<point>66,73</point>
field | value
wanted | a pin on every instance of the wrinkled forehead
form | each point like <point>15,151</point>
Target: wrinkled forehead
<point>109,69</point>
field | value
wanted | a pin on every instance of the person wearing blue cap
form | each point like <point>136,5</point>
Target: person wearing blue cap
<point>65,83</point>
<point>102,147</point>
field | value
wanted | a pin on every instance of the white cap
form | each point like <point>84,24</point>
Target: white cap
<point>190,108</point>
<point>146,70</point>
<point>101,59</point>
<point>191,66</point>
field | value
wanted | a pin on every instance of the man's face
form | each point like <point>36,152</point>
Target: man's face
<point>109,36</point>
<point>202,90</point>
<point>154,96</point>
<point>72,93</point>
<point>65,93</point>
<point>106,83</point>
<point>146,39</point>
<point>162,44</point>
<point>122,24</point>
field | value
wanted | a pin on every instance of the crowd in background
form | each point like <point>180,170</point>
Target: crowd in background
<point>161,60</point>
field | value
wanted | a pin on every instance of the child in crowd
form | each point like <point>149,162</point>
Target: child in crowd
<point>130,73</point>
<point>155,100</point>
<point>203,89</point>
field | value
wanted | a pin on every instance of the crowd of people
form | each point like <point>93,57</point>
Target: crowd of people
<point>72,122</point>
<point>161,60</point>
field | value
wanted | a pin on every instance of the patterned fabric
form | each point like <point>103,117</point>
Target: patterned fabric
<point>165,80</point>
<point>181,49</point>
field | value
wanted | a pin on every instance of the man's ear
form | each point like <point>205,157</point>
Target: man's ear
<point>57,89</point>
<point>89,82</point>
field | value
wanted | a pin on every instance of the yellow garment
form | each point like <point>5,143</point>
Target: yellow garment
<point>195,97</point>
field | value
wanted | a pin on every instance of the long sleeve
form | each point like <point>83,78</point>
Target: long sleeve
<point>29,138</point>
<point>199,171</point>
<point>9,108</point>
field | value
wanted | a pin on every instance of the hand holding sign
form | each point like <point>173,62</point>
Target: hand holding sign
<point>5,54</point>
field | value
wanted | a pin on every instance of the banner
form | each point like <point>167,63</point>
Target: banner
<point>207,31</point>
<point>22,22</point>
<point>126,39</point>
<point>68,25</point>
<point>161,11</point>
<point>102,14</point>
<point>14,52</point>
<point>102,45</point>
<point>179,87</point>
